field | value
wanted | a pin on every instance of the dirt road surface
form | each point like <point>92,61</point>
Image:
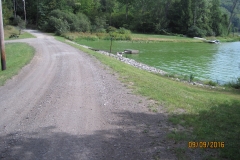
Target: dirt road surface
<point>67,105</point>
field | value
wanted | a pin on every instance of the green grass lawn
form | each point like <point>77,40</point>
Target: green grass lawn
<point>17,56</point>
<point>207,114</point>
<point>10,30</point>
<point>166,38</point>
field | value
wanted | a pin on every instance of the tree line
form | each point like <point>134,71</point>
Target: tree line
<point>187,17</point>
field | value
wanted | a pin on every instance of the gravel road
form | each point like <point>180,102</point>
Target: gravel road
<point>67,105</point>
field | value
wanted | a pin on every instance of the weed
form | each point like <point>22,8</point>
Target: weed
<point>211,83</point>
<point>191,77</point>
<point>153,108</point>
<point>234,84</point>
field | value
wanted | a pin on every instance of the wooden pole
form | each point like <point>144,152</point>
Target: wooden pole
<point>2,46</point>
<point>111,45</point>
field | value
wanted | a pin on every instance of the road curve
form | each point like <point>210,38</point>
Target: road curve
<point>67,105</point>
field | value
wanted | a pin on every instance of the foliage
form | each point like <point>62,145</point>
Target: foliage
<point>99,24</point>
<point>211,83</point>
<point>159,16</point>
<point>7,11</point>
<point>191,77</point>
<point>57,25</point>
<point>20,23</point>
<point>17,20</point>
<point>115,34</point>
<point>61,22</point>
<point>194,31</point>
<point>234,84</point>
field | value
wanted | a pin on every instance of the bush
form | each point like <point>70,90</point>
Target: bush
<point>61,22</point>
<point>83,22</point>
<point>121,34</point>
<point>194,31</point>
<point>122,30</point>
<point>191,77</point>
<point>211,83</point>
<point>111,29</point>
<point>58,26</point>
<point>20,23</point>
<point>99,25</point>
<point>17,20</point>
<point>235,84</point>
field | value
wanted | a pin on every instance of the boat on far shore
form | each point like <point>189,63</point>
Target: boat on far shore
<point>208,41</point>
<point>213,41</point>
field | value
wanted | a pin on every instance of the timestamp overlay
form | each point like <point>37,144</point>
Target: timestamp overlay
<point>202,144</point>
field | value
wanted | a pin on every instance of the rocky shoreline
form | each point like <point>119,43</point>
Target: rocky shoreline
<point>127,60</point>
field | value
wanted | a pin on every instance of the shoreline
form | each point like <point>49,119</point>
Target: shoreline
<point>147,68</point>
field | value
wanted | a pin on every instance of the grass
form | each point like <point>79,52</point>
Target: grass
<point>17,56</point>
<point>10,30</point>
<point>162,38</point>
<point>229,38</point>
<point>207,114</point>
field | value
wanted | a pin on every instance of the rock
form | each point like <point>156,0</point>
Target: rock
<point>131,51</point>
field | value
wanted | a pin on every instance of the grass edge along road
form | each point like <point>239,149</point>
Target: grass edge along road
<point>18,55</point>
<point>206,114</point>
<point>11,30</point>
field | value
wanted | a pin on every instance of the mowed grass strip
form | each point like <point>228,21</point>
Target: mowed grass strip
<point>162,38</point>
<point>18,55</point>
<point>207,114</point>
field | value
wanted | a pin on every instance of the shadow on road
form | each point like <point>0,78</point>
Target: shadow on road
<point>137,136</point>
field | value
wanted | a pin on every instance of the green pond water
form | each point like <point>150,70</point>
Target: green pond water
<point>216,62</point>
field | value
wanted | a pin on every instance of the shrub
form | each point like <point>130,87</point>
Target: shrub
<point>83,22</point>
<point>210,32</point>
<point>122,30</point>
<point>20,23</point>
<point>17,20</point>
<point>72,22</point>
<point>111,29</point>
<point>211,83</point>
<point>235,84</point>
<point>121,34</point>
<point>194,31</point>
<point>191,77</point>
<point>58,26</point>
<point>99,25</point>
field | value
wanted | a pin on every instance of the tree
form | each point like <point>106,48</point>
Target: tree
<point>25,14</point>
<point>216,17</point>
<point>235,4</point>
<point>6,11</point>
<point>128,4</point>
<point>186,15</point>
<point>14,8</point>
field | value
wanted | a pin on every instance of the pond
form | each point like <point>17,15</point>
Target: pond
<point>216,62</point>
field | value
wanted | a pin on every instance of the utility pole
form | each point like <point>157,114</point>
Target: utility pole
<point>2,46</point>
